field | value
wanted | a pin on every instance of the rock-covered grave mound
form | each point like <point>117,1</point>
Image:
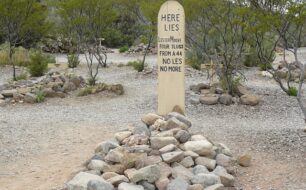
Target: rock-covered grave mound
<point>51,85</point>
<point>212,94</point>
<point>162,155</point>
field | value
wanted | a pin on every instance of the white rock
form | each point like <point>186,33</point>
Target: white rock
<point>202,147</point>
<point>129,186</point>
<point>171,157</point>
<point>80,181</point>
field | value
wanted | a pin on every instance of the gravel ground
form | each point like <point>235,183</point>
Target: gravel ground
<point>271,132</point>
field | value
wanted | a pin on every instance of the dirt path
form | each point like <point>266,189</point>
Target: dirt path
<point>42,145</point>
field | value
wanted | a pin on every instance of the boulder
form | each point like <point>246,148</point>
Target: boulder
<point>206,179</point>
<point>160,142</point>
<point>80,181</point>
<point>129,186</point>
<point>168,148</point>
<point>182,172</point>
<point>108,175</point>
<point>120,136</point>
<point>147,186</point>
<point>192,154</point>
<point>106,146</point>
<point>30,98</point>
<point>8,93</point>
<point>137,139</point>
<point>69,86</point>
<point>215,187</point>
<point>173,123</point>
<point>207,162</point>
<point>187,162</point>
<point>150,173</point>
<point>171,157</point>
<point>182,136</point>
<point>249,99</point>
<point>226,99</point>
<point>97,165</point>
<point>150,119</point>
<point>202,147</point>
<point>200,169</point>
<point>178,184</point>
<point>180,117</point>
<point>244,160</point>
<point>225,161</point>
<point>241,90</point>
<point>162,184</point>
<point>99,185</point>
<point>116,180</point>
<point>209,100</point>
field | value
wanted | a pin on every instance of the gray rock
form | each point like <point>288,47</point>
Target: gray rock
<point>178,184</point>
<point>215,187</point>
<point>9,93</point>
<point>129,186</point>
<point>187,162</point>
<point>226,99</point>
<point>69,86</point>
<point>182,136</point>
<point>94,172</point>
<point>150,173</point>
<point>227,179</point>
<point>195,187</point>
<point>99,185</point>
<point>115,155</point>
<point>120,136</point>
<point>182,172</point>
<point>209,100</point>
<point>207,162</point>
<point>206,179</point>
<point>195,100</point>
<point>202,147</point>
<point>106,146</point>
<point>1,97</point>
<point>147,186</point>
<point>141,129</point>
<point>30,98</point>
<point>171,157</point>
<point>199,169</point>
<point>225,161</point>
<point>180,117</point>
<point>192,154</point>
<point>160,142</point>
<point>173,123</point>
<point>108,175</point>
<point>97,165</point>
<point>168,148</point>
<point>80,181</point>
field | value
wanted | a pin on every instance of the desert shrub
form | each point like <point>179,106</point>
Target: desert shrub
<point>38,64</point>
<point>73,61</point>
<point>40,96</point>
<point>265,67</point>
<point>22,76</point>
<point>194,60</point>
<point>91,81</point>
<point>123,49</point>
<point>235,82</point>
<point>86,91</point>
<point>292,91</point>
<point>137,65</point>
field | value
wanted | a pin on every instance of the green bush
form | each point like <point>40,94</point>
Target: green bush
<point>91,81</point>
<point>22,76</point>
<point>137,65</point>
<point>124,49</point>
<point>40,96</point>
<point>292,91</point>
<point>73,61</point>
<point>265,67</point>
<point>235,82</point>
<point>194,60</point>
<point>86,91</point>
<point>38,65</point>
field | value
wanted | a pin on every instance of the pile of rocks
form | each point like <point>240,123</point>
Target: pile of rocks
<point>212,95</point>
<point>162,155</point>
<point>51,85</point>
<point>141,48</point>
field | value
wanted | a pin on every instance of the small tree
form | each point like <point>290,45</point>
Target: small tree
<point>216,32</point>
<point>21,21</point>
<point>86,22</point>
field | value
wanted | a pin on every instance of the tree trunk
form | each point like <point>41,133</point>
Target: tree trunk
<point>11,62</point>
<point>146,52</point>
